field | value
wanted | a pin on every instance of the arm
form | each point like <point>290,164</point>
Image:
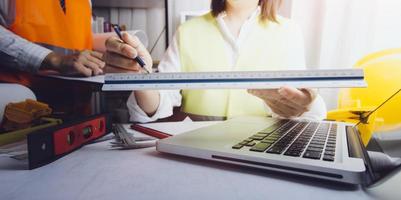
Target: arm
<point>291,102</point>
<point>120,54</point>
<point>23,55</point>
<point>144,106</point>
<point>18,53</point>
<point>99,41</point>
<point>149,101</point>
<point>161,102</point>
<point>316,110</point>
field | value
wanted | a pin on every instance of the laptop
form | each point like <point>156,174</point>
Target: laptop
<point>320,149</point>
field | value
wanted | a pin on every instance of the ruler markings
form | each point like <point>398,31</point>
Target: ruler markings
<point>236,80</point>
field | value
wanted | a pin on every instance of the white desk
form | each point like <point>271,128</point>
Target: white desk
<point>95,172</point>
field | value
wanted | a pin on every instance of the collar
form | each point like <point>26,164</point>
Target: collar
<point>253,16</point>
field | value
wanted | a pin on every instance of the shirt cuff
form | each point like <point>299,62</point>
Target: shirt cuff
<point>35,56</point>
<point>24,55</point>
<point>317,110</point>
<point>164,110</point>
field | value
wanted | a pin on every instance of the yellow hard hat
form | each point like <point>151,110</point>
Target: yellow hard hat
<point>383,76</point>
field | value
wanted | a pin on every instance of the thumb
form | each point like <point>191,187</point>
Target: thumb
<point>296,96</point>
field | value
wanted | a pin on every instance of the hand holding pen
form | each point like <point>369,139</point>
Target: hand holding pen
<point>126,53</point>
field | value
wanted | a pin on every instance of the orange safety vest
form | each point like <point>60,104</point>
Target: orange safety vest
<point>45,23</point>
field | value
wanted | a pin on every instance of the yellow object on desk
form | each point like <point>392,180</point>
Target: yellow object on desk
<point>23,118</point>
<point>24,114</point>
<point>18,135</point>
<point>27,111</point>
<point>383,76</point>
<point>354,116</point>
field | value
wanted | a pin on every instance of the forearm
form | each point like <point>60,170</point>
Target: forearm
<point>51,62</point>
<point>99,40</point>
<point>148,106</point>
<point>18,53</point>
<point>148,101</point>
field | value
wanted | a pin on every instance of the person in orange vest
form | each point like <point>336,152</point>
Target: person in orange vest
<point>46,35</point>
<point>50,35</point>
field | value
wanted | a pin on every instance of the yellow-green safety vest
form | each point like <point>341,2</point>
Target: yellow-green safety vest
<point>202,49</point>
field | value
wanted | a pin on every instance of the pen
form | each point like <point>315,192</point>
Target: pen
<point>149,131</point>
<point>138,59</point>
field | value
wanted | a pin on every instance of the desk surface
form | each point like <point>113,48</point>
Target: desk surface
<point>96,172</point>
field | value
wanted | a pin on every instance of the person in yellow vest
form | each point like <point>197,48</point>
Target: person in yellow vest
<point>237,35</point>
<point>46,35</point>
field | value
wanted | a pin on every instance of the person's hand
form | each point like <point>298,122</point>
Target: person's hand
<point>120,55</point>
<point>85,63</point>
<point>286,102</point>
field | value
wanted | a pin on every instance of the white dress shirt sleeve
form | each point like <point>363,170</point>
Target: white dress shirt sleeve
<point>168,98</point>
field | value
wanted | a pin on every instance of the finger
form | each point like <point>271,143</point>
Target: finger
<point>96,54</point>
<point>312,93</point>
<point>284,110</point>
<point>277,110</point>
<point>296,96</point>
<point>293,105</point>
<point>290,104</point>
<point>85,59</point>
<point>96,70</point>
<point>117,60</point>
<point>293,108</point>
<point>265,94</point>
<point>112,69</point>
<point>289,111</point>
<point>279,101</point>
<point>115,45</point>
<point>96,57</point>
<point>80,68</point>
<point>137,44</point>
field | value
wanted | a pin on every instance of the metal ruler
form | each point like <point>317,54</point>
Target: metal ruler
<point>348,78</point>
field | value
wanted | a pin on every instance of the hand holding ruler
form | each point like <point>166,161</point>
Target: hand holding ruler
<point>348,78</point>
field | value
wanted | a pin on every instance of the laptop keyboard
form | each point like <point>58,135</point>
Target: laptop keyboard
<point>311,140</point>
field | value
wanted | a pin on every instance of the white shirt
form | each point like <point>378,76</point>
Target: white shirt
<point>171,63</point>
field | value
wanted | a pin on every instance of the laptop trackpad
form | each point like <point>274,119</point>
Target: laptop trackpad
<point>224,134</point>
